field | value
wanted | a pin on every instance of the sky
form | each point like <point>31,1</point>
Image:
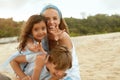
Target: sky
<point>21,10</point>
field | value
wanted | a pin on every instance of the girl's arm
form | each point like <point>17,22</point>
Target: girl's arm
<point>15,64</point>
<point>65,40</point>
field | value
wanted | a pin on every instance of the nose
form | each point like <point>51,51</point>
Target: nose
<point>59,73</point>
<point>40,31</point>
<point>51,21</point>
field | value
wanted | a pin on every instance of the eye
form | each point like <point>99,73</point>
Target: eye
<point>55,18</point>
<point>44,28</point>
<point>36,29</point>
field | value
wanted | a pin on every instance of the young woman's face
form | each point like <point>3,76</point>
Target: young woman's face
<point>53,19</point>
<point>39,30</point>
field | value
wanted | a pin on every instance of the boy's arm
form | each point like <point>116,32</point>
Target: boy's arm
<point>16,67</point>
<point>39,63</point>
<point>36,73</point>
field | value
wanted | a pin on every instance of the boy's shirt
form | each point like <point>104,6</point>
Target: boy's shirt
<point>44,75</point>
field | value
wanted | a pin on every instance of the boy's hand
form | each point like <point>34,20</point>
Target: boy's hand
<point>41,60</point>
<point>26,78</point>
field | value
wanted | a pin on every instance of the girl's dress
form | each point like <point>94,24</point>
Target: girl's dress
<point>26,52</point>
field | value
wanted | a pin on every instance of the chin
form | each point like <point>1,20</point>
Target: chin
<point>38,39</point>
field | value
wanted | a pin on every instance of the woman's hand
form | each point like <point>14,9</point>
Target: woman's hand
<point>55,33</point>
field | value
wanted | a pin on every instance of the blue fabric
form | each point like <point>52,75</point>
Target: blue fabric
<point>50,6</point>
<point>27,52</point>
<point>73,73</point>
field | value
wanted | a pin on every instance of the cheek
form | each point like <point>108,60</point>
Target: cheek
<point>45,32</point>
<point>33,33</point>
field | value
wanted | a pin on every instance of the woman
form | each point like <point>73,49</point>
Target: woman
<point>58,35</point>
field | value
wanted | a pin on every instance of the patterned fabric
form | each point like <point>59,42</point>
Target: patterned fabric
<point>26,52</point>
<point>44,75</point>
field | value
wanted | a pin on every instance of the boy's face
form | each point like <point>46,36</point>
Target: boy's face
<point>56,73</point>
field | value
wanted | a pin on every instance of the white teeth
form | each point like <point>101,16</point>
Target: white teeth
<point>51,27</point>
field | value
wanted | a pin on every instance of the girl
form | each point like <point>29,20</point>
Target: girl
<point>30,40</point>
<point>32,34</point>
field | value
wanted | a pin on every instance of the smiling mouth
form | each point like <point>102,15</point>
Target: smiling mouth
<point>50,28</point>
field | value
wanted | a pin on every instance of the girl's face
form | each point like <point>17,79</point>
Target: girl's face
<point>53,19</point>
<point>39,30</point>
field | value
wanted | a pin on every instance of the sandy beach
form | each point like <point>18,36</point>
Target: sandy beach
<point>98,55</point>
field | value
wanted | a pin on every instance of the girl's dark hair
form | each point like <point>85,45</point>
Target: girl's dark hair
<point>27,30</point>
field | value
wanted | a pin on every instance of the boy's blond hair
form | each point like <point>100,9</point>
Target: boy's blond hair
<point>61,57</point>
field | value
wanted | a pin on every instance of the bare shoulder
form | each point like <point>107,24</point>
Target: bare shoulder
<point>65,40</point>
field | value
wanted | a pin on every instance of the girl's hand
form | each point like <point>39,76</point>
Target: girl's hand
<point>37,47</point>
<point>34,48</point>
<point>40,48</point>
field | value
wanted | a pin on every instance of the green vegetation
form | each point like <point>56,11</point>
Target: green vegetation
<point>9,28</point>
<point>98,24</point>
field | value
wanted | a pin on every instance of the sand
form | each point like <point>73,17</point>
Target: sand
<point>98,55</point>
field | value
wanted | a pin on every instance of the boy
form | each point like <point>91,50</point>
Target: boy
<point>52,67</point>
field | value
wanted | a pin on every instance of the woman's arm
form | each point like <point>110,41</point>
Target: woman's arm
<point>65,40</point>
<point>15,64</point>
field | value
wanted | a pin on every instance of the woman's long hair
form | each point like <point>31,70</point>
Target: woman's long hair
<point>63,24</point>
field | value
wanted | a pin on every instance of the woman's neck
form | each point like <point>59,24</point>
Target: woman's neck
<point>52,44</point>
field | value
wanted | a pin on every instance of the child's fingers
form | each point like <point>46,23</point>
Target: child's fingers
<point>27,78</point>
<point>47,56</point>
